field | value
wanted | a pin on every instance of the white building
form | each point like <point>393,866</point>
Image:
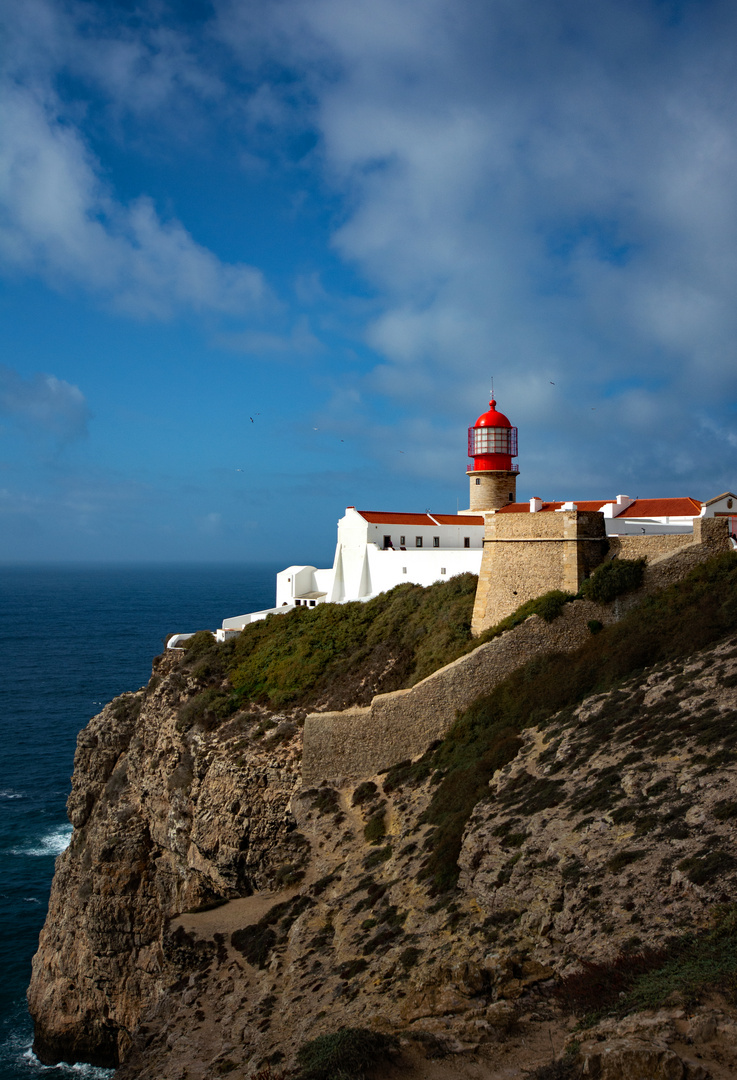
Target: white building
<point>376,551</point>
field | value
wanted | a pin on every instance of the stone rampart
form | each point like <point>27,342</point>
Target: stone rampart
<point>528,554</point>
<point>401,725</point>
<point>648,547</point>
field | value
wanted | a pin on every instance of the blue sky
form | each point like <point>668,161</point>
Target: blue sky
<point>259,260</point>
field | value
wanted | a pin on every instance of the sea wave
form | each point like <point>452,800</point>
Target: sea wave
<point>51,843</point>
<point>85,1072</point>
<point>8,793</point>
<point>17,1056</point>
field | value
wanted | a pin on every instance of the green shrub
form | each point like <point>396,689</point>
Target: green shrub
<point>705,866</point>
<point>377,857</point>
<point>206,710</point>
<point>347,1054</point>
<point>364,793</point>
<point>613,579</point>
<point>287,875</point>
<point>325,800</point>
<point>349,652</point>
<point>624,858</point>
<point>409,957</point>
<point>127,707</point>
<point>257,942</point>
<point>725,810</point>
<point>375,828</point>
<point>692,965</point>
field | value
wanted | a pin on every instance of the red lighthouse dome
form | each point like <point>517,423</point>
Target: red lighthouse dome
<point>492,442</point>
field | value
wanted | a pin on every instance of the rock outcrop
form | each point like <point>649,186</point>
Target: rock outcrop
<point>166,818</point>
<point>211,913</point>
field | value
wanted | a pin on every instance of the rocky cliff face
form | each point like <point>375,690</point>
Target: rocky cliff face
<point>611,831</point>
<point>167,817</point>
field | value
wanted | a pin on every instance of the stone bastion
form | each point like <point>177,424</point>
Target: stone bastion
<point>361,742</point>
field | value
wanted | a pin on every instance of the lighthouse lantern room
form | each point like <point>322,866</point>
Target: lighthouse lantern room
<point>492,443</point>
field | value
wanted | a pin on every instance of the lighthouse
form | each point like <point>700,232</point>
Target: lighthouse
<point>492,443</point>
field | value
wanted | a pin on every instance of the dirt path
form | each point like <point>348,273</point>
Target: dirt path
<point>233,915</point>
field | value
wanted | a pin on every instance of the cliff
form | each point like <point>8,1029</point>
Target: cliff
<point>212,914</point>
<point>166,818</point>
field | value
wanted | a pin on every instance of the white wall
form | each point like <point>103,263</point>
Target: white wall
<point>361,568</point>
<point>423,567</point>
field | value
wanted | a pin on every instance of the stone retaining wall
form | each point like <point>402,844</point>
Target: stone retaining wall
<point>400,725</point>
<point>651,547</point>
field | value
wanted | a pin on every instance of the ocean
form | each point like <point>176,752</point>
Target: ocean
<point>71,638</point>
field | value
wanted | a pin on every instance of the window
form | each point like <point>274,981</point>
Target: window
<point>492,440</point>
<point>387,541</point>
<point>442,569</point>
<point>402,541</point>
<point>511,496</point>
<point>436,541</point>
<point>478,481</point>
<point>404,569</point>
<point>312,603</point>
<point>466,541</point>
<point>418,541</point>
<point>298,603</point>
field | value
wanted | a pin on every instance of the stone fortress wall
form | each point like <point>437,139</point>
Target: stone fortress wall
<point>360,742</point>
<point>528,554</point>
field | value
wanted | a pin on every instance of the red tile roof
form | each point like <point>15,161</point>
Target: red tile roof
<point>458,519</point>
<point>379,517</point>
<point>642,508</point>
<point>524,508</point>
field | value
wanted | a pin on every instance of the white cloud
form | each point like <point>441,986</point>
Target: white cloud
<point>44,403</point>
<point>58,219</point>
<point>543,192</point>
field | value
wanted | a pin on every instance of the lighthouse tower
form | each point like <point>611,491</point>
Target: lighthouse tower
<point>492,443</point>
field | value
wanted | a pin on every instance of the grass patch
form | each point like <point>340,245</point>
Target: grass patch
<point>347,1054</point>
<point>349,652</point>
